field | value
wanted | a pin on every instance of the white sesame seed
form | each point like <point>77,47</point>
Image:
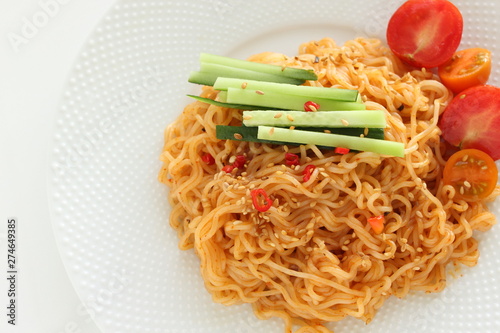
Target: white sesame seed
<point>312,108</point>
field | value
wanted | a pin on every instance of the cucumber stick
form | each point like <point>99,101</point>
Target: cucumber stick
<point>243,133</point>
<point>297,73</point>
<point>288,102</point>
<point>361,118</point>
<point>348,95</point>
<point>331,140</point>
<point>224,105</point>
<point>213,71</point>
<point>222,97</point>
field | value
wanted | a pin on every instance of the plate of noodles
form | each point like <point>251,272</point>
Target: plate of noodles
<point>154,240</point>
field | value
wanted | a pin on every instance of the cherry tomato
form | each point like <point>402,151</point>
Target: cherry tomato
<point>472,120</point>
<point>467,68</point>
<point>472,173</point>
<point>425,33</point>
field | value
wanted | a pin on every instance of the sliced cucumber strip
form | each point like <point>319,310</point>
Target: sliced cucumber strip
<point>233,72</point>
<point>331,140</point>
<point>348,95</point>
<point>243,133</point>
<point>363,118</point>
<point>239,133</point>
<point>288,102</point>
<point>297,73</point>
<point>204,78</point>
<point>222,97</point>
<point>225,105</point>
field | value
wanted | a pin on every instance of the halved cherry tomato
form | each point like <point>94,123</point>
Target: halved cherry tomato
<point>472,120</point>
<point>472,173</point>
<point>467,68</point>
<point>425,33</point>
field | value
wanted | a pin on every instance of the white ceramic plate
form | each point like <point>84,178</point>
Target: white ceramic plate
<point>110,214</point>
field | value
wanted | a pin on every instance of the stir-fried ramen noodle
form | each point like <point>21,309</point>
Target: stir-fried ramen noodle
<point>312,257</point>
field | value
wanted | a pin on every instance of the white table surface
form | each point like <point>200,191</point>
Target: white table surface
<point>33,72</point>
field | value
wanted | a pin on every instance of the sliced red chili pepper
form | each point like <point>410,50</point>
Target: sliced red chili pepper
<point>228,168</point>
<point>340,150</point>
<point>208,159</point>
<point>377,223</point>
<point>310,106</point>
<point>308,172</point>
<point>261,200</point>
<point>291,159</point>
<point>240,161</point>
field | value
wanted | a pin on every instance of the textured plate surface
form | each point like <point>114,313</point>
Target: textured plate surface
<point>110,214</point>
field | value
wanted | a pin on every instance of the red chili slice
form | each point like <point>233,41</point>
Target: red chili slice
<point>261,200</point>
<point>308,172</point>
<point>240,161</point>
<point>340,150</point>
<point>228,168</point>
<point>291,159</point>
<point>310,106</point>
<point>208,159</point>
